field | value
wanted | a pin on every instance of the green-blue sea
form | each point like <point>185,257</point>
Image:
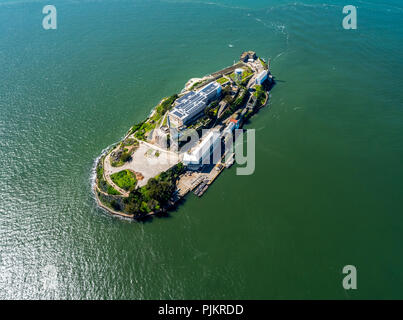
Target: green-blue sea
<point>328,186</point>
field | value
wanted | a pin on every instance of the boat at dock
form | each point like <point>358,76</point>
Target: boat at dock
<point>201,188</point>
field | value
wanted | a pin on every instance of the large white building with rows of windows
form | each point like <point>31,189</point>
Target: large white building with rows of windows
<point>262,76</point>
<point>189,106</point>
<point>201,153</point>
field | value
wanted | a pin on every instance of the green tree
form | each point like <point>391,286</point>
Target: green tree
<point>125,156</point>
<point>115,205</point>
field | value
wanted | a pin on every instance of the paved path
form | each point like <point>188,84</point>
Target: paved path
<point>143,162</point>
<point>108,170</point>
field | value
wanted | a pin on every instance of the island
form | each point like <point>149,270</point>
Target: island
<point>152,169</point>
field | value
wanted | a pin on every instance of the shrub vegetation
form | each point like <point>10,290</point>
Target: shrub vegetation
<point>124,179</point>
<point>155,194</point>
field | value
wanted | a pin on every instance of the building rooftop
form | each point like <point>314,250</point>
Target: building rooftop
<point>213,86</point>
<point>196,153</point>
<point>261,75</point>
<point>192,102</point>
<point>245,56</point>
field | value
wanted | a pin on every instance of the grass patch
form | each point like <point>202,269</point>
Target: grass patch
<point>142,129</point>
<point>222,80</point>
<point>111,190</point>
<point>211,110</point>
<point>124,179</point>
<point>130,142</point>
<point>166,105</point>
<point>264,64</point>
<point>260,94</point>
<point>165,123</point>
<point>100,172</point>
<point>196,84</point>
<point>246,75</point>
<point>102,184</point>
<point>136,127</point>
<point>155,194</point>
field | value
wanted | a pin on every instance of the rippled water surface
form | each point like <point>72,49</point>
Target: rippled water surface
<point>327,190</point>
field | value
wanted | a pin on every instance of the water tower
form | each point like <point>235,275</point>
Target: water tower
<point>238,74</point>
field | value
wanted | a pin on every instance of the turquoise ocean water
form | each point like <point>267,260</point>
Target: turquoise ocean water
<point>327,190</point>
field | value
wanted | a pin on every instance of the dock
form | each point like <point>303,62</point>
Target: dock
<point>230,161</point>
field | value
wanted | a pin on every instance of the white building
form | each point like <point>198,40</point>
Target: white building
<point>201,153</point>
<point>261,77</point>
<point>189,106</point>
